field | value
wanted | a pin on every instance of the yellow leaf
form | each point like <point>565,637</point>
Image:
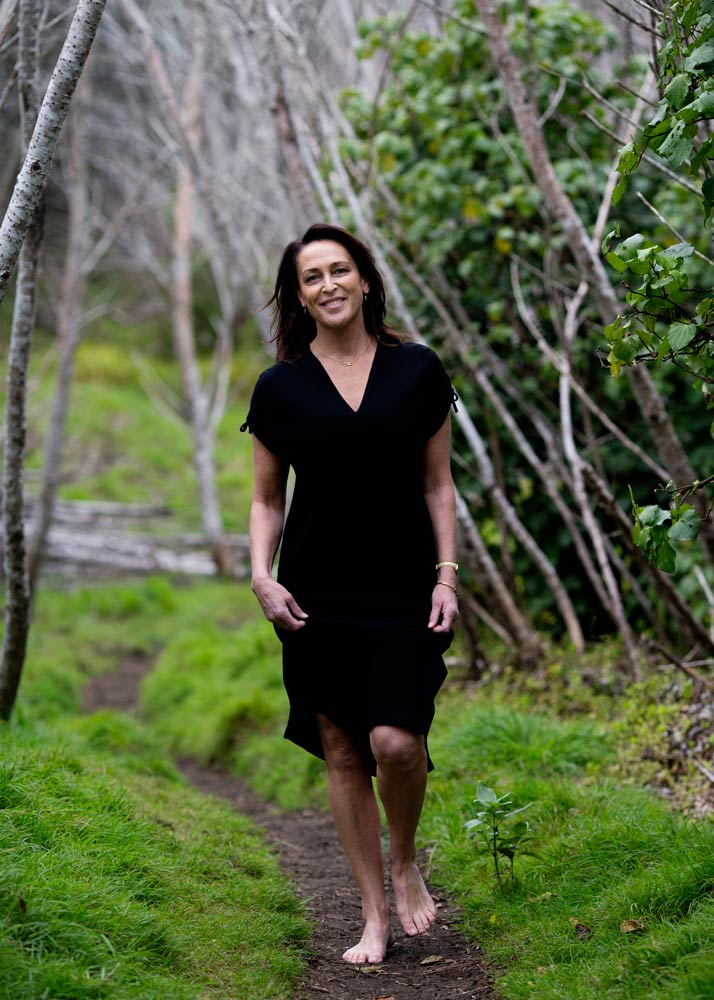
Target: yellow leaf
<point>632,926</point>
<point>472,209</point>
<point>502,245</point>
<point>542,898</point>
<point>431,959</point>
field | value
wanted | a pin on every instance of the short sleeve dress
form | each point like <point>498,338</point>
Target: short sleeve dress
<point>358,551</point>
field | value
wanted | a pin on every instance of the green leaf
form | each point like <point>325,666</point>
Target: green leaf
<point>473,823</point>
<point>677,90</point>
<point>628,158</point>
<point>620,189</point>
<point>708,191</point>
<point>613,234</point>
<point>681,334</point>
<point>686,528</point>
<point>704,105</point>
<point>665,558</point>
<point>653,514</point>
<point>616,261</point>
<point>677,146</point>
<point>485,795</point>
<point>515,812</point>
<point>678,251</point>
<point>520,829</point>
<point>702,54</point>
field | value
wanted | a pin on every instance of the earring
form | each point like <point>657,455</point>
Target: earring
<point>364,297</point>
<point>304,309</point>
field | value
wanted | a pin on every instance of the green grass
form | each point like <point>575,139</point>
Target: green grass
<point>605,851</point>
<point>82,631</point>
<point>219,695</point>
<point>119,881</point>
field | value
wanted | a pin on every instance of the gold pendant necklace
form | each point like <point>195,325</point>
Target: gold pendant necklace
<point>346,364</point>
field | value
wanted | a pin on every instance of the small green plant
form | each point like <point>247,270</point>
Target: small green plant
<point>497,840</point>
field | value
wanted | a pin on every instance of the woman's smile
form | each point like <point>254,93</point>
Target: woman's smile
<point>330,285</point>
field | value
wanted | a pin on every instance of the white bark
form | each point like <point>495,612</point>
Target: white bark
<point>182,322</point>
<point>74,282</point>
<point>43,144</point>
<point>17,601</point>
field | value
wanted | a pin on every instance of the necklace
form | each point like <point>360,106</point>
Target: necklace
<point>346,364</point>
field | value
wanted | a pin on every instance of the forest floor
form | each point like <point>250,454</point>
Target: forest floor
<point>439,965</point>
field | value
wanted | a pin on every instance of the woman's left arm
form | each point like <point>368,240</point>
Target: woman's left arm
<point>441,504</point>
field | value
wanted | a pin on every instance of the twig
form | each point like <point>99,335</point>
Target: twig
<point>672,230</point>
<point>555,101</point>
<point>699,766</point>
<point>645,156</point>
<point>686,491</point>
<point>701,683</point>
<point>620,12</point>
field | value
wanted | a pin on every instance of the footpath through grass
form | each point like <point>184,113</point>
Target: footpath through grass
<point>618,899</point>
<point>116,879</point>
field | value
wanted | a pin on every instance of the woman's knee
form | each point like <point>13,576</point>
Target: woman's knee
<point>396,748</point>
<point>341,751</point>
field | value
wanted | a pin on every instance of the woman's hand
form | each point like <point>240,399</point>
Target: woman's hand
<point>278,604</point>
<point>444,608</point>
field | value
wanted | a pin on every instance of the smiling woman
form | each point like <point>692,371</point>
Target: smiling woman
<point>366,589</point>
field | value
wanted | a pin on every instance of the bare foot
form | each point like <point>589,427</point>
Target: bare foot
<point>372,947</point>
<point>415,907</point>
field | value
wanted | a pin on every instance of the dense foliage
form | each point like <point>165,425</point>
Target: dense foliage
<point>670,279</point>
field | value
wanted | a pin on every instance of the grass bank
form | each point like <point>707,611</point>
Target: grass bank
<point>618,898</point>
<point>117,880</point>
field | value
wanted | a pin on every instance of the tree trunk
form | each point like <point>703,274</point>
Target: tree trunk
<point>184,341</point>
<point>74,283</point>
<point>17,603</point>
<point>36,167</point>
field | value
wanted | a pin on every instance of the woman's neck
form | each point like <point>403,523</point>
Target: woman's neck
<point>344,341</point>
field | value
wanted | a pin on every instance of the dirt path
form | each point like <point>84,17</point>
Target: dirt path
<point>440,965</point>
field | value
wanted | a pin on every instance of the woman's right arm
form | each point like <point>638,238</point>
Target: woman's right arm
<point>267,514</point>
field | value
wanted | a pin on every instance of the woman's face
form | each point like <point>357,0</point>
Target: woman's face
<point>329,285</point>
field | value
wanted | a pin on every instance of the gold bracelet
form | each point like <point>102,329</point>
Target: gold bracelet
<point>445,584</point>
<point>453,565</point>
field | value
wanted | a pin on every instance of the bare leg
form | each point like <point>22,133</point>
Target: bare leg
<point>356,816</point>
<point>401,780</point>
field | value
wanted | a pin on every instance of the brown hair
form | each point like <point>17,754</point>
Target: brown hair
<point>293,328</point>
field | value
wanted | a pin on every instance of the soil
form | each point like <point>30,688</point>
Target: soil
<point>439,965</point>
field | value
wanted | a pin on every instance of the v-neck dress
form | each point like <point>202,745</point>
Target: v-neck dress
<point>358,550</point>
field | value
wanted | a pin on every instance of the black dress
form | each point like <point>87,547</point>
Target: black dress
<point>358,549</point>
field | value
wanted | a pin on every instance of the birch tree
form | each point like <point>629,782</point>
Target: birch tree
<point>16,227</point>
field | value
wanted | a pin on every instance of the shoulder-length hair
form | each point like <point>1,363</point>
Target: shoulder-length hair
<point>293,328</point>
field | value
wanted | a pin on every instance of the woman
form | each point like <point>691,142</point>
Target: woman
<point>366,588</point>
